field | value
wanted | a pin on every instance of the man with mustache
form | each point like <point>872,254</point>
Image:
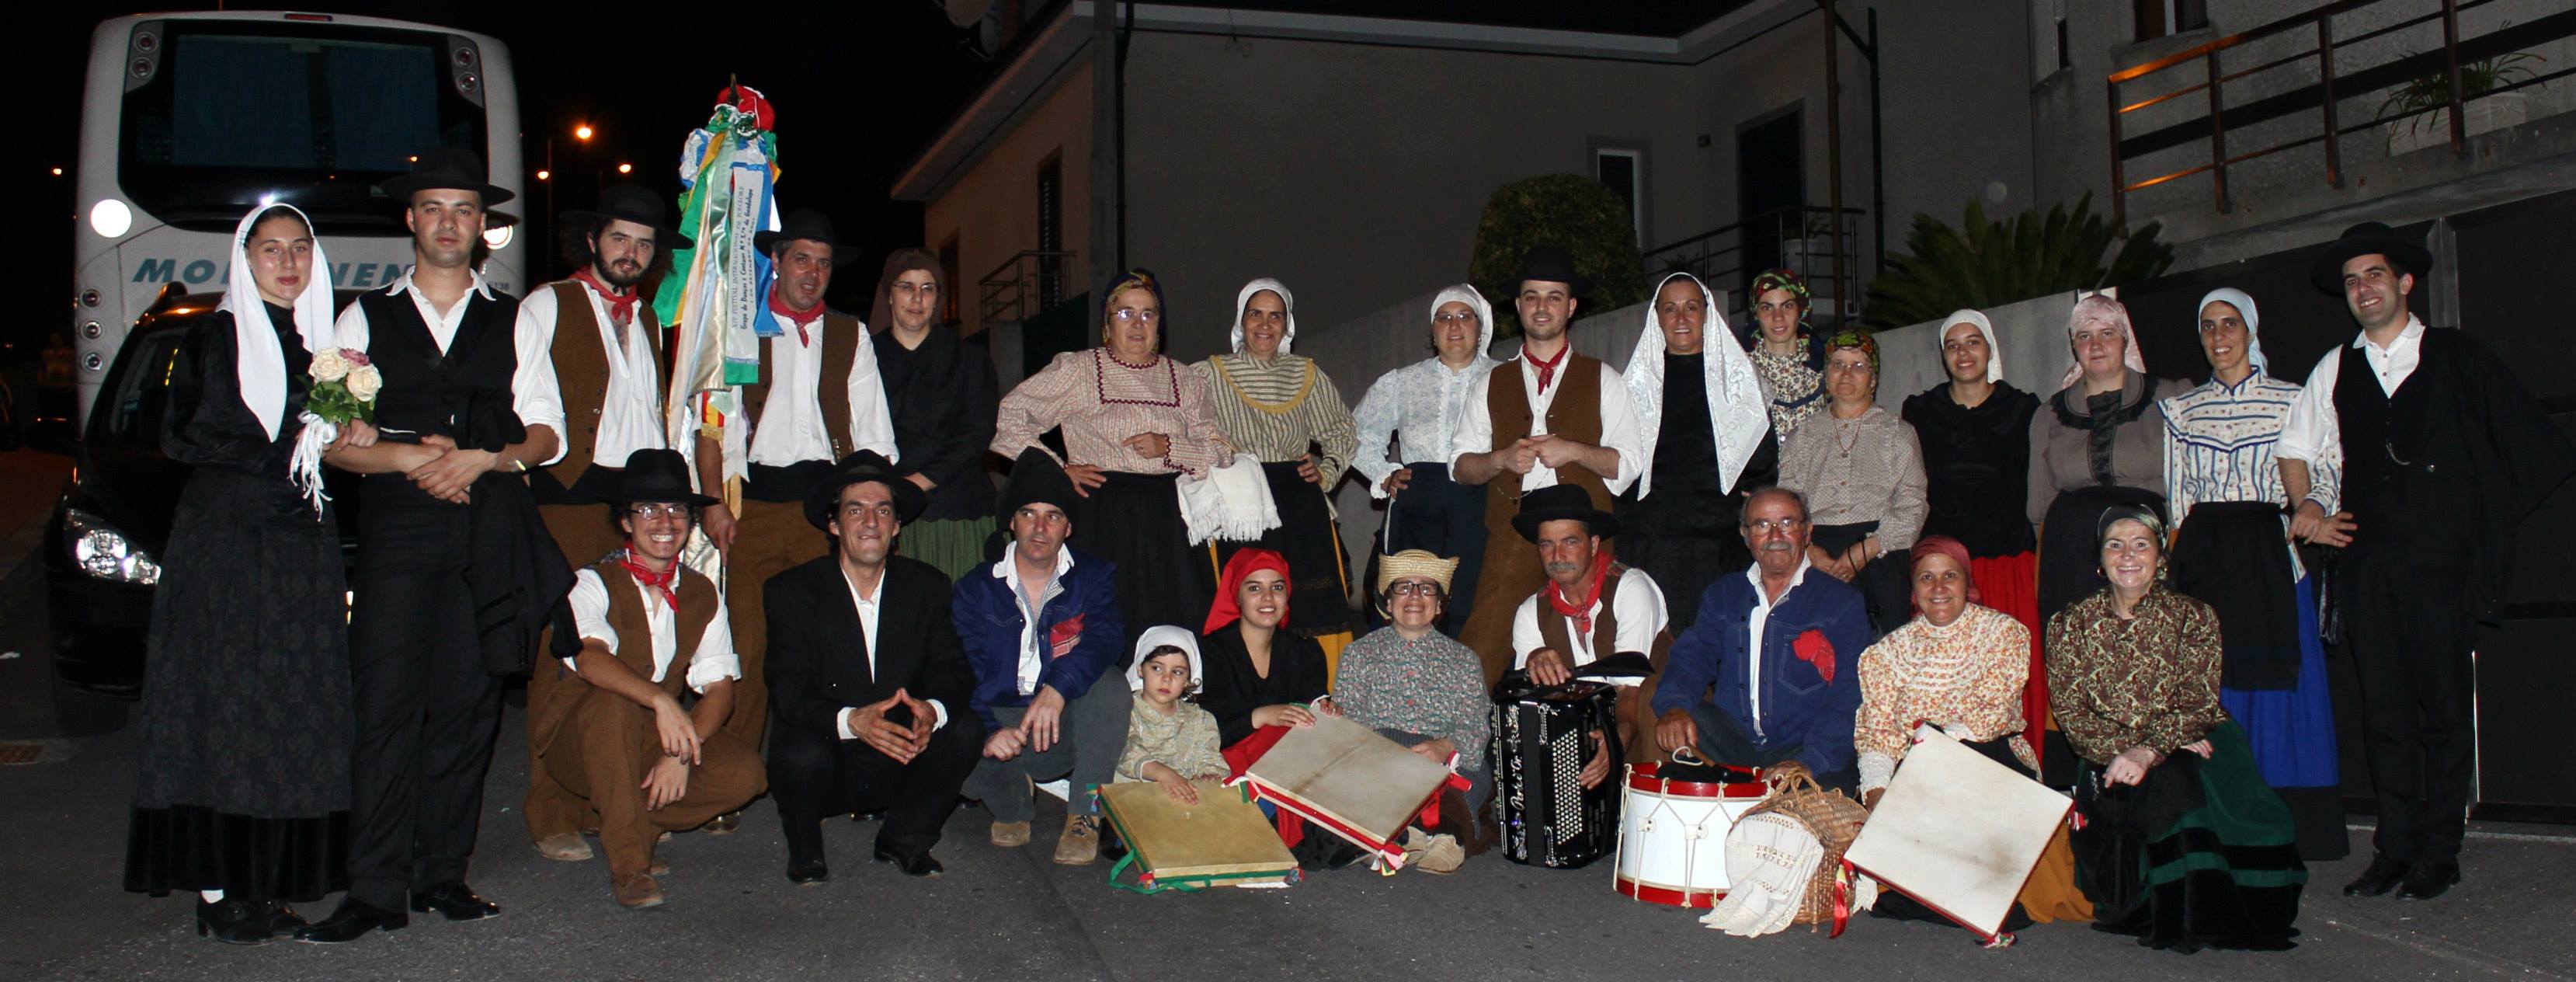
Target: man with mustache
<point>605,341</point>
<point>1768,676</point>
<point>2444,452</point>
<point>1593,607</point>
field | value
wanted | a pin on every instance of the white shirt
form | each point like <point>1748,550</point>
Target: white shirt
<point>867,606</point>
<point>2313,431</point>
<point>1761,615</point>
<point>1033,653</point>
<point>628,418</point>
<point>714,658</point>
<point>1417,406</point>
<point>791,426</point>
<point>1639,606</point>
<point>1618,424</point>
<point>533,394</point>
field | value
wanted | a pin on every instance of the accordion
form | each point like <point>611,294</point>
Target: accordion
<point>1541,743</point>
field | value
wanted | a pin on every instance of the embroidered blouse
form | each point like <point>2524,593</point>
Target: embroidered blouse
<point>2149,680</point>
<point>1865,469</point>
<point>1274,410</point>
<point>1099,402</point>
<point>1433,686</point>
<point>1416,407</point>
<point>1965,677</point>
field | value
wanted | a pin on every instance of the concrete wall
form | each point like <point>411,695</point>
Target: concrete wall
<point>992,210</point>
<point>2031,335</point>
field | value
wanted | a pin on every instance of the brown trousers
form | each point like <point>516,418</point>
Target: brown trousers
<point>771,538</point>
<point>603,754</point>
<point>586,533</point>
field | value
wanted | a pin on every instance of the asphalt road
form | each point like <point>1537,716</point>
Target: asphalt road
<point>1014,914</point>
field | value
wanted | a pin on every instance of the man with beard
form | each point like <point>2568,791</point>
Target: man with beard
<point>605,343</point>
<point>1592,608</point>
<point>1549,416</point>
<point>2443,455</point>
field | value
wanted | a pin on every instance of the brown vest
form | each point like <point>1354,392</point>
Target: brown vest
<point>627,616</point>
<point>842,337</point>
<point>581,375</point>
<point>1605,625</point>
<point>1575,414</point>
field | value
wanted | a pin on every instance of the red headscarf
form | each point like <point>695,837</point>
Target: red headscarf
<point>1238,569</point>
<point>1942,545</point>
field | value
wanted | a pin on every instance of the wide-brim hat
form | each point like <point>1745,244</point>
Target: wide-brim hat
<point>1411,564</point>
<point>656,476</point>
<point>1036,477</point>
<point>1559,502</point>
<point>806,224</point>
<point>635,203</point>
<point>2362,240</point>
<point>1552,264</point>
<point>447,167</point>
<point>860,468</point>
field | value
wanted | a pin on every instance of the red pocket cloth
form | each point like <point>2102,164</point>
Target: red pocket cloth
<point>1813,649</point>
<point>1064,635</point>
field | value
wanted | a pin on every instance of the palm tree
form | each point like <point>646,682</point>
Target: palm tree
<point>1985,263</point>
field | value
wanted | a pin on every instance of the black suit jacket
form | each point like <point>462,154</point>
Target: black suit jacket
<point>818,658</point>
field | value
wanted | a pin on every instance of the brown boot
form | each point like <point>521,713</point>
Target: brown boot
<point>638,892</point>
<point>1080,845</point>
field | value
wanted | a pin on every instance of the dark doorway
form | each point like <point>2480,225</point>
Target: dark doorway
<point>1770,174</point>
<point>1050,232</point>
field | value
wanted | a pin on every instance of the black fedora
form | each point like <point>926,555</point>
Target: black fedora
<point>446,167</point>
<point>1036,479</point>
<point>806,224</point>
<point>635,203</point>
<point>860,468</point>
<point>1551,264</point>
<point>1559,502</point>
<point>2367,238</point>
<point>656,476</point>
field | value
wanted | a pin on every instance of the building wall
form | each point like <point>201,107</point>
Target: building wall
<point>992,210</point>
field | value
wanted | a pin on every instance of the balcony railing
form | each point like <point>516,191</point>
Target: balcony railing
<point>1013,290</point>
<point>1800,237</point>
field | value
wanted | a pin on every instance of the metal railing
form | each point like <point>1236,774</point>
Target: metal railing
<point>1799,237</point>
<point>2215,123</point>
<point>1011,291</point>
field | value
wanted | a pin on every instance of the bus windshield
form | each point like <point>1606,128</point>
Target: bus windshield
<point>236,111</point>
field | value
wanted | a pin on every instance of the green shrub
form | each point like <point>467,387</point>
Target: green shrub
<point>1986,263</point>
<point>1570,210</point>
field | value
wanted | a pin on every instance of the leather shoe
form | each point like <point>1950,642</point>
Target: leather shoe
<point>455,901</point>
<point>637,892</point>
<point>283,919</point>
<point>807,872</point>
<point>353,920</point>
<point>2428,880</point>
<point>234,921</point>
<point>918,864</point>
<point>2381,877</point>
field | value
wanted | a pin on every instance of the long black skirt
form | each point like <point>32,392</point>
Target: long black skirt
<point>1439,516</point>
<point>1319,586</point>
<point>1884,583</point>
<point>1685,541</point>
<point>2070,561</point>
<point>2200,854</point>
<point>2235,557</point>
<point>1134,521</point>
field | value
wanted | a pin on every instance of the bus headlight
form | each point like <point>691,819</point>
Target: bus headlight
<point>103,552</point>
<point>110,218</point>
<point>498,238</point>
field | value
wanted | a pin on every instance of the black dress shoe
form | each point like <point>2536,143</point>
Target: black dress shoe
<point>234,921</point>
<point>283,919</point>
<point>806,872</point>
<point>2381,877</point>
<point>918,864</point>
<point>455,901</point>
<point>353,920</point>
<point>2428,880</point>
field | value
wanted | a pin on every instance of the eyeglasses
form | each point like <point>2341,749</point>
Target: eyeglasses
<point>1413,589</point>
<point>1445,319</point>
<point>1769,525</point>
<point>1136,315</point>
<point>669,510</point>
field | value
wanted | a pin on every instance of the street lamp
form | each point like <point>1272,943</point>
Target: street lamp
<point>580,132</point>
<point>626,168</point>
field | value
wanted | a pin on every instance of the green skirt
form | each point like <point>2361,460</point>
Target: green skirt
<point>2201,854</point>
<point>955,546</point>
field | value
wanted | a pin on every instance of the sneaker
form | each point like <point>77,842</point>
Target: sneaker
<point>1010,835</point>
<point>1080,845</point>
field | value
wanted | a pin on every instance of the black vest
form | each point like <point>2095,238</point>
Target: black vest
<point>427,392</point>
<point>2399,468</point>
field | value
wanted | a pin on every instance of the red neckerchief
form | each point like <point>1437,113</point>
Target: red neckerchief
<point>800,318</point>
<point>621,306</point>
<point>663,581</point>
<point>1581,613</point>
<point>1547,369</point>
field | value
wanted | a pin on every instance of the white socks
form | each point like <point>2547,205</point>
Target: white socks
<point>211,896</point>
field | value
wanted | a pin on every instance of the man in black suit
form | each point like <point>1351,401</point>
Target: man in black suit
<point>868,684</point>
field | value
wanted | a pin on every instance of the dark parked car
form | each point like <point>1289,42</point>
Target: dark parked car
<point>103,544</point>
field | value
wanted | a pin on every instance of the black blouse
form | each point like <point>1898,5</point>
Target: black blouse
<point>1686,501</point>
<point>1977,465</point>
<point>1233,690</point>
<point>943,397</point>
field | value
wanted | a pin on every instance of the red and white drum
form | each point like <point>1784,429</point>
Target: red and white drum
<point>1672,834</point>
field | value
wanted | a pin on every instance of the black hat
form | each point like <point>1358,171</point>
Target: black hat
<point>1036,478</point>
<point>1551,263</point>
<point>656,476</point>
<point>634,203</point>
<point>2364,239</point>
<point>803,223</point>
<point>446,167</point>
<point>860,468</point>
<point>1558,502</point>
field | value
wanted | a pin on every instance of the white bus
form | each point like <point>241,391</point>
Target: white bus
<point>190,119</point>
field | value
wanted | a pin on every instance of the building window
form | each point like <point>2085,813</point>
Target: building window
<point>952,306</point>
<point>2162,18</point>
<point>1624,170</point>
<point>1050,232</point>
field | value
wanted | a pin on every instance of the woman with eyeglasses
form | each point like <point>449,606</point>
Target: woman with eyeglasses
<point>1421,688</point>
<point>1862,472</point>
<point>1415,409</point>
<point>1133,422</point>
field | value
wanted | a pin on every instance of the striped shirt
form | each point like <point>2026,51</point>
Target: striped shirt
<point>1274,410</point>
<point>2220,445</point>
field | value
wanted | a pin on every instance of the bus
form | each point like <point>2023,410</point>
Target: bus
<point>188,120</point>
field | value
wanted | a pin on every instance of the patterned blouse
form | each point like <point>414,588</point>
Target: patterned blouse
<point>2149,680</point>
<point>1966,678</point>
<point>1865,469</point>
<point>2219,443</point>
<point>1183,740</point>
<point>1100,402</point>
<point>1274,410</point>
<point>1797,389</point>
<point>1417,407</point>
<point>1434,686</point>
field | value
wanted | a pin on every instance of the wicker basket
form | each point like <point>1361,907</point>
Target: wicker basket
<point>1835,820</point>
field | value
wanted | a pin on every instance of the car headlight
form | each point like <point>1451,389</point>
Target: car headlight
<point>103,552</point>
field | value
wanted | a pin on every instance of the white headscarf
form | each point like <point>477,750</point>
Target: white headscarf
<point>260,364</point>
<point>1994,352</point>
<point>1460,293</point>
<point>2097,308</point>
<point>2245,308</point>
<point>1156,637</point>
<point>1287,307</point>
<point>1738,413</point>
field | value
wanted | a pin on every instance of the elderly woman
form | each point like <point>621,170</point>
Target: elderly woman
<point>1281,408</point>
<point>1707,444</point>
<point>1133,422</point>
<point>1789,357</point>
<point>2096,443</point>
<point>2181,843</point>
<point>2232,551</point>
<point>1422,689</point>
<point>1415,408</point>
<point>1862,473</point>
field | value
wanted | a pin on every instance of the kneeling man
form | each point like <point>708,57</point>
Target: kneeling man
<point>613,730</point>
<point>1593,607</point>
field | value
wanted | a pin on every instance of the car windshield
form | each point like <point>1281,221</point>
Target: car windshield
<point>137,394</point>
